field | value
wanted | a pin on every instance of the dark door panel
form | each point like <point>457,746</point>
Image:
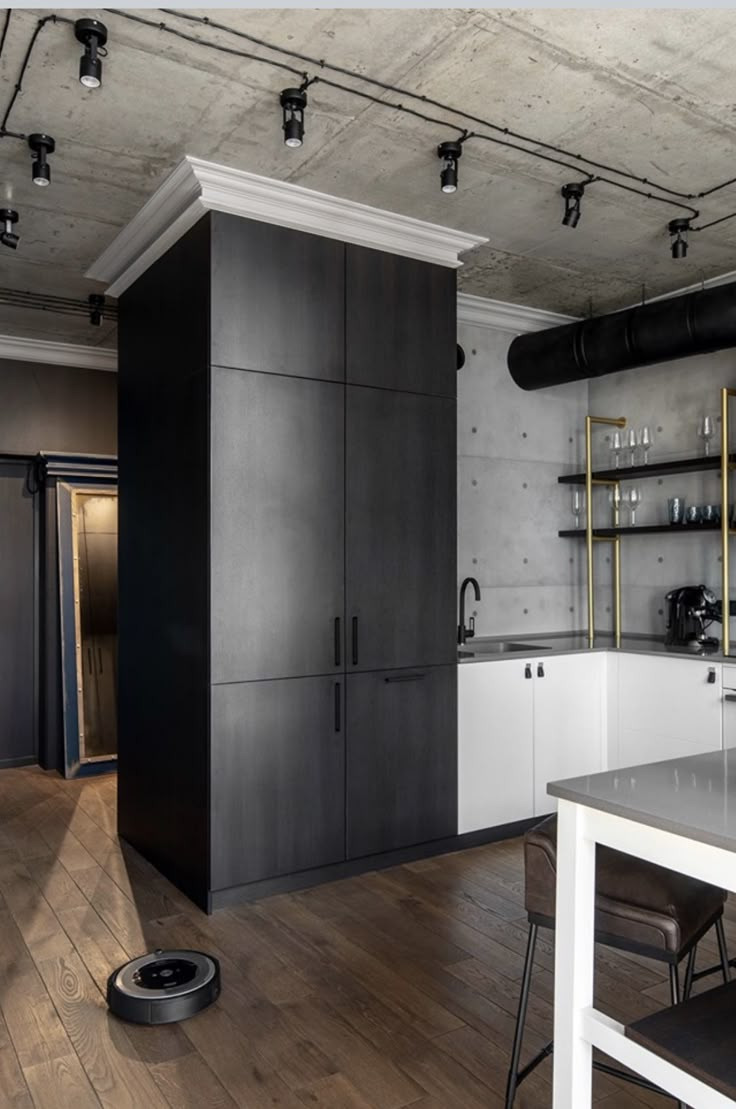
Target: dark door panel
<point>17,696</point>
<point>400,529</point>
<point>278,302</point>
<point>277,526</point>
<point>401,758</point>
<point>278,778</point>
<point>401,322</point>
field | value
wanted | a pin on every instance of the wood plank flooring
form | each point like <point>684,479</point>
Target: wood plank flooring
<point>397,988</point>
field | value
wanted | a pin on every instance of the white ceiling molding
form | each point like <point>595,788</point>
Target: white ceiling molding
<point>58,354</point>
<point>502,316</point>
<point>195,187</point>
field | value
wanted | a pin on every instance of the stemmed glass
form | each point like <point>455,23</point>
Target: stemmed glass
<point>617,445</point>
<point>634,499</point>
<point>631,445</point>
<point>578,505</point>
<point>706,431</point>
<point>645,441</point>
<point>614,499</point>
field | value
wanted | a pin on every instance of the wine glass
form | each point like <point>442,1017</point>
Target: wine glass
<point>634,500</point>
<point>646,438</point>
<point>631,445</point>
<point>614,499</point>
<point>578,504</point>
<point>706,431</point>
<point>617,445</point>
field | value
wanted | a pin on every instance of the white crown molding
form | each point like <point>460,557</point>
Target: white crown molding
<point>502,316</point>
<point>196,186</point>
<point>58,354</point>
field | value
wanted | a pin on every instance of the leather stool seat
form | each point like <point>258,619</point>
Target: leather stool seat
<point>639,905</point>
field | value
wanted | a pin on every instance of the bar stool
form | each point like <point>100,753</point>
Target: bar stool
<point>639,907</point>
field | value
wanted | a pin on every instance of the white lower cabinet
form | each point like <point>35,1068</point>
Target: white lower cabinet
<point>525,722</point>
<point>729,706</point>
<point>667,707</point>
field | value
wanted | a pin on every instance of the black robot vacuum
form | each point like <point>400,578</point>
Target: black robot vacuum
<point>163,987</point>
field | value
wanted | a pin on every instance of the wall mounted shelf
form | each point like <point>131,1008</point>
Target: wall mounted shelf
<point>652,469</point>
<point>639,529</point>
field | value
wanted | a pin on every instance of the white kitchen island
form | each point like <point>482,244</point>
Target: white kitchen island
<point>681,814</point>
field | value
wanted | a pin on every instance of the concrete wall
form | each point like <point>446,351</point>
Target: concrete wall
<point>671,397</point>
<point>511,447</point>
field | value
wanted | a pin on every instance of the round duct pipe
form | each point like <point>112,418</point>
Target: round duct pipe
<point>695,323</point>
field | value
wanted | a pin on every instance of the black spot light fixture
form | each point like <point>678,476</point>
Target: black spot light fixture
<point>678,229</point>
<point>293,103</point>
<point>8,217</point>
<point>93,36</point>
<point>96,308</point>
<point>449,153</point>
<point>41,146</point>
<point>572,194</point>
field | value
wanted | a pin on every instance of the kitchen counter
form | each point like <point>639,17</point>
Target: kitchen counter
<point>577,642</point>
<point>693,796</point>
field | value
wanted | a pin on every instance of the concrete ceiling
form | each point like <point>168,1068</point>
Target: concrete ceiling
<point>653,92</point>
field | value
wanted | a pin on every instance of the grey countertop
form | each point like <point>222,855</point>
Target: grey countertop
<point>693,796</point>
<point>477,650</point>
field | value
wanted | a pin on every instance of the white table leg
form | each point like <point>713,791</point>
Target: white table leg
<point>574,953</point>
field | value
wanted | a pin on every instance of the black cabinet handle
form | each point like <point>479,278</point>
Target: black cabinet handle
<point>405,678</point>
<point>338,707</point>
<point>711,676</point>
<point>729,697</point>
<point>99,656</point>
<point>528,670</point>
<point>337,641</point>
<point>540,670</point>
<point>355,641</point>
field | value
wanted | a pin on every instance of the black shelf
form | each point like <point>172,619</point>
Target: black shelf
<point>653,469</point>
<point>696,1036</point>
<point>639,529</point>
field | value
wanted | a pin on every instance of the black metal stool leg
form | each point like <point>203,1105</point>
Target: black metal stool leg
<point>689,971</point>
<point>675,994</point>
<point>722,949</point>
<point>513,1078</point>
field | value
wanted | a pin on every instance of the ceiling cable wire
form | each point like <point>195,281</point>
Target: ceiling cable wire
<point>18,88</point>
<point>4,35</point>
<point>389,104</point>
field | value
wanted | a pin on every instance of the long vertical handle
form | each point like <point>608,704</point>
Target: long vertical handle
<point>355,641</point>
<point>99,656</point>
<point>337,641</point>
<point>338,707</point>
<point>89,659</point>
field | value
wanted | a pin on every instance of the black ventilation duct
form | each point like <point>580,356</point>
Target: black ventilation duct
<point>696,323</point>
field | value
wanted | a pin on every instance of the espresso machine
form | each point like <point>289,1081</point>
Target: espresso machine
<point>691,609</point>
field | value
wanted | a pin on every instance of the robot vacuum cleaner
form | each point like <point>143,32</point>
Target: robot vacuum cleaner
<point>163,987</point>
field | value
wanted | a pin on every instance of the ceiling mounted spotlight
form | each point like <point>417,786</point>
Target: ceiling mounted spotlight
<point>678,229</point>
<point>572,194</point>
<point>293,103</point>
<point>41,146</point>
<point>93,35</point>
<point>7,236</point>
<point>450,153</point>
<point>96,308</point>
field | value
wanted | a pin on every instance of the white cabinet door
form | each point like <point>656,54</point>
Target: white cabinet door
<point>569,706</point>
<point>667,707</point>
<point>729,706</point>
<point>495,736</point>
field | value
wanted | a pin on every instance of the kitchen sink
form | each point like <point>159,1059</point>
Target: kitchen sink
<point>499,647</point>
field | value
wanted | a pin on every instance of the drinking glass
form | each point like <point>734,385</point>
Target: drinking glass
<point>578,504</point>
<point>645,441</point>
<point>614,499</point>
<point>706,431</point>
<point>631,445</point>
<point>634,501</point>
<point>617,445</point>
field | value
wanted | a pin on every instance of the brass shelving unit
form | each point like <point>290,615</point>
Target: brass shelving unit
<point>590,532</point>
<point>726,530</point>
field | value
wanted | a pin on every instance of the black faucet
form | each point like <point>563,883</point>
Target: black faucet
<point>464,633</point>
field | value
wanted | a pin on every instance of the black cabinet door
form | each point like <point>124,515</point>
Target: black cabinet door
<point>401,758</point>
<point>401,323</point>
<point>277,543</point>
<point>278,299</point>
<point>277,778</point>
<point>400,529</point>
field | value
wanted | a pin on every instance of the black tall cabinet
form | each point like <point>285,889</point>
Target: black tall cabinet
<point>287,558</point>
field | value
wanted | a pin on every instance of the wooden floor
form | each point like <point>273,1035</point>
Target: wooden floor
<point>393,989</point>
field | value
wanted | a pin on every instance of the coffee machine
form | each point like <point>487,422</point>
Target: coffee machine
<point>691,609</point>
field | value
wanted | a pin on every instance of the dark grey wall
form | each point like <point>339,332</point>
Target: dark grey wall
<point>51,408</point>
<point>56,408</point>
